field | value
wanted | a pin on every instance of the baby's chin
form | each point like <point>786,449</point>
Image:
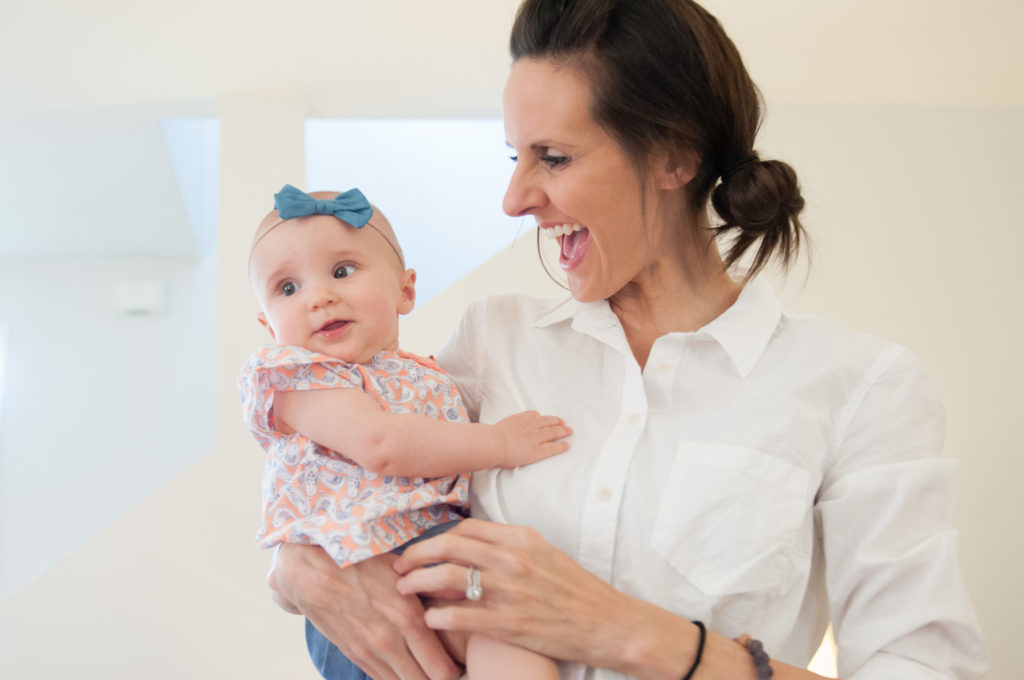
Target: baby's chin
<point>352,357</point>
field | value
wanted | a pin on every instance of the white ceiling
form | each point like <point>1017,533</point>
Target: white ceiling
<point>84,168</point>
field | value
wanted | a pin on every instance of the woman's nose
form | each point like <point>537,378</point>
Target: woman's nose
<point>523,196</point>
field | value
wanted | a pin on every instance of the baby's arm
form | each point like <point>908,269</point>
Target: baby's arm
<point>410,445</point>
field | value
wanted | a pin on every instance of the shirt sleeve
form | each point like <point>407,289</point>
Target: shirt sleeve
<point>281,368</point>
<point>460,357</point>
<point>898,604</point>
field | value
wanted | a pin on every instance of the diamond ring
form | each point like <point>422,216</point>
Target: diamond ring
<point>474,591</point>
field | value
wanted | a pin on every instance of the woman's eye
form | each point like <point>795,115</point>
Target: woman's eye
<point>553,159</point>
<point>289,289</point>
<point>344,270</point>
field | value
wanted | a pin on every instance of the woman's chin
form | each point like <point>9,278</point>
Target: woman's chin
<point>582,290</point>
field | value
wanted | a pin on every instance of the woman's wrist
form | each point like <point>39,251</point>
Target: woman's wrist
<point>660,646</point>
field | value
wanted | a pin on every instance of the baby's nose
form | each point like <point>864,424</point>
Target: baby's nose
<point>322,297</point>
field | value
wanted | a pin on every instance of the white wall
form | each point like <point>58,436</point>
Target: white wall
<point>99,411</point>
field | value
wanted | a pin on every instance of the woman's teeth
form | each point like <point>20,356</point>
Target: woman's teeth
<point>561,230</point>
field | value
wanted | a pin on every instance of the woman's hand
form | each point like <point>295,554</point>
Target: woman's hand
<point>534,595</point>
<point>360,610</point>
<point>537,597</point>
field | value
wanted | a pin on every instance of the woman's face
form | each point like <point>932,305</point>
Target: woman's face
<point>572,177</point>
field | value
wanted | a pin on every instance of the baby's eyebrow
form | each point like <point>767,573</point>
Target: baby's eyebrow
<point>275,277</point>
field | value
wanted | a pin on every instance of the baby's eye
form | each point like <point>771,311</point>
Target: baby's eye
<point>289,288</point>
<point>344,270</point>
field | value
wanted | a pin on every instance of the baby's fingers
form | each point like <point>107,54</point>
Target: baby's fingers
<point>555,448</point>
<point>551,428</point>
<point>559,431</point>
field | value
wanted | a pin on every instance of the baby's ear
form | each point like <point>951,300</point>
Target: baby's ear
<point>262,318</point>
<point>408,291</point>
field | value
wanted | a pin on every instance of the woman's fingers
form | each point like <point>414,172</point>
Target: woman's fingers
<point>533,595</point>
<point>498,534</point>
<point>359,609</point>
<point>431,657</point>
<point>472,542</point>
<point>451,546</point>
<point>460,618</point>
<point>444,581</point>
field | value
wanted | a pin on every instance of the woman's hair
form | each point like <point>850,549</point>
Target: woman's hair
<point>665,76</point>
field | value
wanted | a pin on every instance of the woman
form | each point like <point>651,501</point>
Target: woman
<point>732,465</point>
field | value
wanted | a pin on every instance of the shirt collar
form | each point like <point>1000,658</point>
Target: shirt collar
<point>743,330</point>
<point>588,314</point>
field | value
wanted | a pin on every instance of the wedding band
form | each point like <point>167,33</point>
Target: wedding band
<point>474,591</point>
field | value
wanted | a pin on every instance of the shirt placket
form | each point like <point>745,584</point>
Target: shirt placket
<point>603,500</point>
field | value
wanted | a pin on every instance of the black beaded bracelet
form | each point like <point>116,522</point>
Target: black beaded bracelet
<point>700,650</point>
<point>762,663</point>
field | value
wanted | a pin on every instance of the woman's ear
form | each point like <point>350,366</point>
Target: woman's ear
<point>676,170</point>
<point>262,318</point>
<point>407,299</point>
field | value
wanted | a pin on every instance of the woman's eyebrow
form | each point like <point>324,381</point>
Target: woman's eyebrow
<point>534,146</point>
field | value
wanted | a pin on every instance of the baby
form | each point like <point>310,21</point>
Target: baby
<point>367,446</point>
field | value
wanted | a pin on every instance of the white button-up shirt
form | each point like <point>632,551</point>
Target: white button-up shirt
<point>766,474</point>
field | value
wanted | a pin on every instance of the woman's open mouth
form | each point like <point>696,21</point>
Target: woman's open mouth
<point>573,239</point>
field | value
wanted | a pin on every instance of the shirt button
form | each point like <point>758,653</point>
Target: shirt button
<point>635,419</point>
<point>605,494</point>
<point>665,367</point>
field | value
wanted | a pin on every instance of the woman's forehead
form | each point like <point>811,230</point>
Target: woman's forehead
<point>543,99</point>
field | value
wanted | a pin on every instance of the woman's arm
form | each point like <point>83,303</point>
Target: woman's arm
<point>536,596</point>
<point>359,609</point>
<point>409,445</point>
<point>885,507</point>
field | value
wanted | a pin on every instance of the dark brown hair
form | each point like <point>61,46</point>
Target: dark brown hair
<point>665,76</point>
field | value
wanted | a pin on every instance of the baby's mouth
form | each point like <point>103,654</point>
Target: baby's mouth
<point>333,326</point>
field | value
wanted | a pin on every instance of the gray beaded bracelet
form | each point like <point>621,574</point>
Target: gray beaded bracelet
<point>761,661</point>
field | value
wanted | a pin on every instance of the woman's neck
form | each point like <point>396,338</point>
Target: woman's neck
<point>680,294</point>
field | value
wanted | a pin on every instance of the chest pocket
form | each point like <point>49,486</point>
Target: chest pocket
<point>730,518</point>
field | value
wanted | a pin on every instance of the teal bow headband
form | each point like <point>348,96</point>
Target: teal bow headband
<point>350,206</point>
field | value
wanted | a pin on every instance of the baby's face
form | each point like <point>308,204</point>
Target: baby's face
<point>331,288</point>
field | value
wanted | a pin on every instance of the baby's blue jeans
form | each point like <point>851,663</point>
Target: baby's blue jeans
<point>328,659</point>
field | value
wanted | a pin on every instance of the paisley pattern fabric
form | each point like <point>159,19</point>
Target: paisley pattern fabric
<point>314,495</point>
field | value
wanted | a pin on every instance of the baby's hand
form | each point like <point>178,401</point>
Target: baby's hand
<point>529,437</point>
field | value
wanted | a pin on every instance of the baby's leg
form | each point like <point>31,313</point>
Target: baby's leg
<point>491,659</point>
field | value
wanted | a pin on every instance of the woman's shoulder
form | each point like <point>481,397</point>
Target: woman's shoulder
<point>834,348</point>
<point>811,328</point>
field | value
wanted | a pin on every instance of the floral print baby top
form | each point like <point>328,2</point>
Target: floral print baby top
<point>314,495</point>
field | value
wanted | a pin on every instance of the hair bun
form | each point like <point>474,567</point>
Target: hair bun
<point>762,199</point>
